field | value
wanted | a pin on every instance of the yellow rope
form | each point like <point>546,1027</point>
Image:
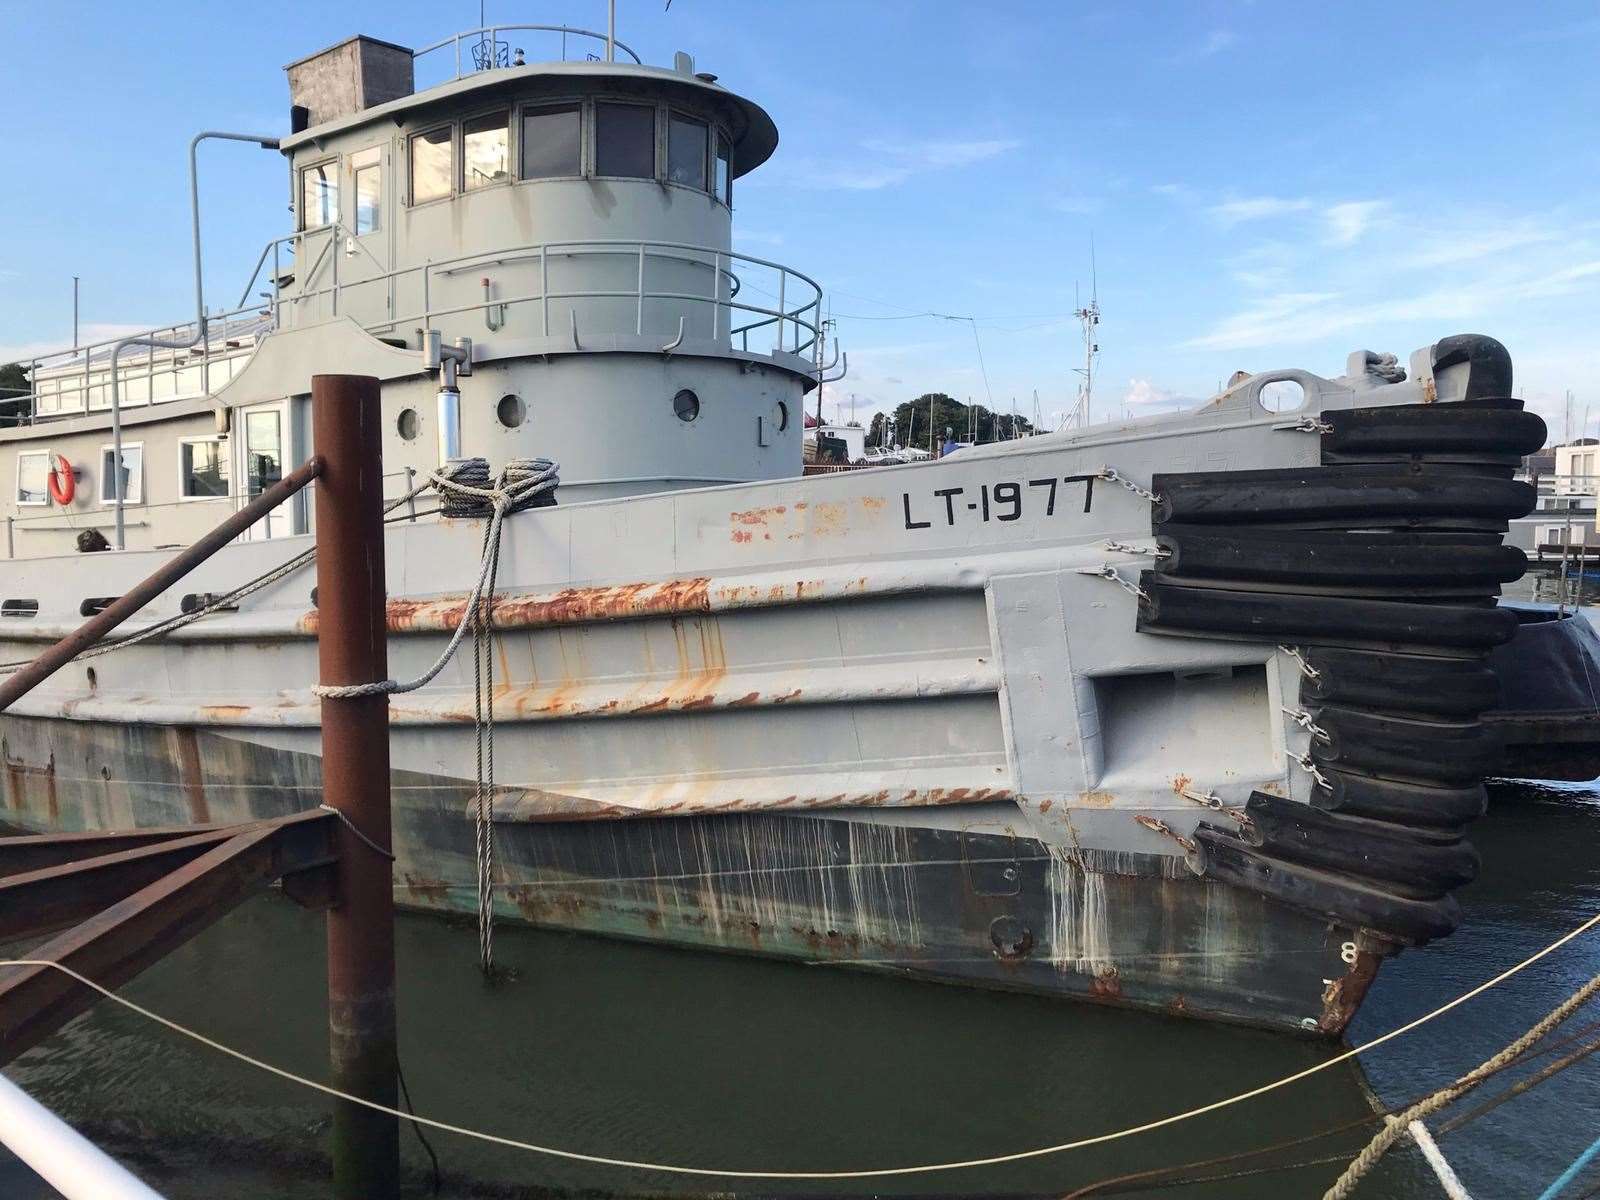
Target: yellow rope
<point>725,1173</point>
<point>1451,1092</point>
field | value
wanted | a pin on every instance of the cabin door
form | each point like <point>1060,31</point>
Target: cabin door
<point>367,291</point>
<point>262,441</point>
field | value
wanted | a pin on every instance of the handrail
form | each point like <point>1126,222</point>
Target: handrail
<point>175,568</point>
<point>493,30</point>
<point>72,375</point>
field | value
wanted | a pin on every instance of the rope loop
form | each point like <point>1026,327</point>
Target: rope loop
<point>351,826</point>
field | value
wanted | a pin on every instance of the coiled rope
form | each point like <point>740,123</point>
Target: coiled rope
<point>880,1172</point>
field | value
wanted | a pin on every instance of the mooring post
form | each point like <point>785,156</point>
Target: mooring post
<point>347,427</point>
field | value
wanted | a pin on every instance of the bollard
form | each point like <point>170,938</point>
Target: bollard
<point>351,646</point>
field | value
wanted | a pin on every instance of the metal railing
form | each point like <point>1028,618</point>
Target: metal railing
<point>75,381</point>
<point>485,50</point>
<point>78,380</point>
<point>795,318</point>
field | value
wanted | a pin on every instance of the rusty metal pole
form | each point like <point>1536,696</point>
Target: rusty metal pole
<point>347,427</point>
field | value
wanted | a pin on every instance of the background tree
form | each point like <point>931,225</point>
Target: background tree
<point>16,403</point>
<point>875,430</point>
<point>966,422</point>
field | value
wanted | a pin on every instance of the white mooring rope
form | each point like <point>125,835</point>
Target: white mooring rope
<point>879,1172</point>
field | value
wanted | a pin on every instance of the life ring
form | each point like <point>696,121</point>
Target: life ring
<point>62,482</point>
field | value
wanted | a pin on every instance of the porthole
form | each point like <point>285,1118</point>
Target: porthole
<point>406,424</point>
<point>782,413</point>
<point>686,404</point>
<point>511,411</point>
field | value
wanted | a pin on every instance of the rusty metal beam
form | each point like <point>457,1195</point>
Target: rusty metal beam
<point>37,851</point>
<point>147,589</point>
<point>120,942</point>
<point>347,427</point>
<point>36,901</point>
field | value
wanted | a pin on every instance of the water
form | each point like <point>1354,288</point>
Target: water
<point>700,1059</point>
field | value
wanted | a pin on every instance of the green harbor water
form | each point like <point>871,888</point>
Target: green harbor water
<point>634,1051</point>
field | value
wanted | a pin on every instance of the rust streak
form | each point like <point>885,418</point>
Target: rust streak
<point>570,606</point>
<point>191,775</point>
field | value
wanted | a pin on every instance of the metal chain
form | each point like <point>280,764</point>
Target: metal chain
<point>1157,825</point>
<point>1110,473</point>
<point>1308,424</point>
<point>1304,719</point>
<point>1107,571</point>
<point>1307,764</point>
<point>1117,547</point>
<point>1306,668</point>
<point>1214,802</point>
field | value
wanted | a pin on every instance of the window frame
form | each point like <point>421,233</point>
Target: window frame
<point>135,497</point>
<point>376,150</point>
<point>226,458</point>
<point>658,152</point>
<point>708,158</point>
<point>585,108</point>
<point>513,150</point>
<point>719,138</point>
<point>411,167</point>
<point>16,494</point>
<point>300,193</point>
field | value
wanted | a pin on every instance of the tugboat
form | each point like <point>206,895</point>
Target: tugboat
<point>1179,713</point>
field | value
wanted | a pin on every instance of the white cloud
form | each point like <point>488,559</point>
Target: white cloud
<point>888,163</point>
<point>1215,42</point>
<point>1077,206</point>
<point>1347,222</point>
<point>88,335</point>
<point>1146,397</point>
<point>1256,208</point>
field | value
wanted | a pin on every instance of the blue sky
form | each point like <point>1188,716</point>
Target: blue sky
<point>1266,185</point>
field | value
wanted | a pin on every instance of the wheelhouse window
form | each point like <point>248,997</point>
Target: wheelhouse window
<point>724,179</point>
<point>366,168</point>
<point>625,141</point>
<point>203,468</point>
<point>552,142</point>
<point>432,164</point>
<point>33,472</point>
<point>686,151</point>
<point>132,473</point>
<point>486,150</point>
<point>319,195</point>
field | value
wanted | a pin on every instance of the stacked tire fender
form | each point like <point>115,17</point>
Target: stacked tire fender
<point>1383,566</point>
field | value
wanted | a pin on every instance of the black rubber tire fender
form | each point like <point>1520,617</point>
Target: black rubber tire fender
<point>1399,683</point>
<point>1333,561</point>
<point>1458,753</point>
<point>1398,801</point>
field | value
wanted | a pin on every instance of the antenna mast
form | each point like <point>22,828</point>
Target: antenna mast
<point>1088,319</point>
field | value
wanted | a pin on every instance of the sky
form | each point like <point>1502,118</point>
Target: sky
<point>1263,185</point>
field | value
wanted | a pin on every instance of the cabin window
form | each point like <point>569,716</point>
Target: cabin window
<point>432,159</point>
<point>625,141</point>
<point>366,167</point>
<point>552,142</point>
<point>724,180</point>
<point>263,450</point>
<point>319,195</point>
<point>132,473</point>
<point>687,141</point>
<point>33,472</point>
<point>486,150</point>
<point>203,468</point>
